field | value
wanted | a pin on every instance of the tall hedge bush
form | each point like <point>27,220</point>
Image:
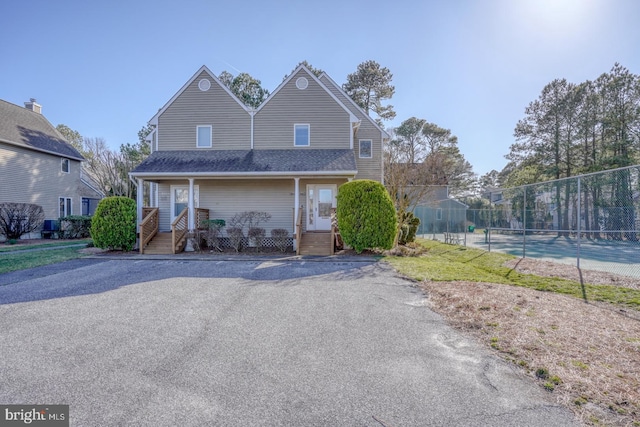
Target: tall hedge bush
<point>366,216</point>
<point>113,225</point>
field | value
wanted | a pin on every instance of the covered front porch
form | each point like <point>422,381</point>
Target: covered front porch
<point>302,206</point>
<point>296,189</point>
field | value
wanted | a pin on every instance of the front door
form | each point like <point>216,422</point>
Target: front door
<point>320,201</point>
<point>180,199</point>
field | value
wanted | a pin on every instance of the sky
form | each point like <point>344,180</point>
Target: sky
<point>471,66</point>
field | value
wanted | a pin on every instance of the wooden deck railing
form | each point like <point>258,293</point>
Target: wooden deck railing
<point>298,231</point>
<point>179,228</point>
<point>148,226</point>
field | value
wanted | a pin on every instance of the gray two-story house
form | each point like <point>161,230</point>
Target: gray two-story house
<point>37,165</point>
<point>212,155</point>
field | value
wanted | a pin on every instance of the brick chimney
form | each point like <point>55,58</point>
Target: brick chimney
<point>33,106</point>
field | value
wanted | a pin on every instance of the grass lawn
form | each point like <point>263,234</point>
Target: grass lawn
<point>446,263</point>
<point>21,260</point>
<point>21,246</point>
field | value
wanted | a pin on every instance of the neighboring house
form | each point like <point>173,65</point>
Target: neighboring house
<point>288,156</point>
<point>37,165</point>
<point>440,213</point>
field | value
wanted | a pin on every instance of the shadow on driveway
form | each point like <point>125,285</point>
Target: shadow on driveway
<point>96,275</point>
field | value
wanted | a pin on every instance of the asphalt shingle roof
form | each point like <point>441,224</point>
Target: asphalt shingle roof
<point>248,161</point>
<point>32,130</point>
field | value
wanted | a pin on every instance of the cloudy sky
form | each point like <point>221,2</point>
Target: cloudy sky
<point>105,68</point>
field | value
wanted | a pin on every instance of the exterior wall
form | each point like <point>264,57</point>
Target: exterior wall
<point>330,125</point>
<point>367,168</point>
<point>231,123</point>
<point>34,177</point>
<point>225,198</point>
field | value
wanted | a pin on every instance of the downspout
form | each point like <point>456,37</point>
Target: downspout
<point>252,112</point>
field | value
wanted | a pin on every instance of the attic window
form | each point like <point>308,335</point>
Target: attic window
<point>204,85</point>
<point>64,165</point>
<point>302,83</point>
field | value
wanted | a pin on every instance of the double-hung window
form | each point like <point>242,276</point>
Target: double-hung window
<point>301,137</point>
<point>204,136</point>
<point>366,149</point>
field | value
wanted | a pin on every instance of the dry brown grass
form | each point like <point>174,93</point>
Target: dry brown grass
<point>591,351</point>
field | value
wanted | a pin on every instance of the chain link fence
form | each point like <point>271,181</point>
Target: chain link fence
<point>591,221</point>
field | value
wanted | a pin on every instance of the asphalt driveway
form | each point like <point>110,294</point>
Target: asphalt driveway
<point>248,343</point>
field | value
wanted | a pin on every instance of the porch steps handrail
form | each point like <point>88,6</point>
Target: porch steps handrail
<point>179,228</point>
<point>148,226</point>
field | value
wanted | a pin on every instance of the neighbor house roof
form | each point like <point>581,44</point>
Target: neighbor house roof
<point>248,162</point>
<point>22,127</point>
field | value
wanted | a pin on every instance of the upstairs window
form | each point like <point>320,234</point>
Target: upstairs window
<point>365,149</point>
<point>204,136</point>
<point>301,135</point>
<point>64,165</point>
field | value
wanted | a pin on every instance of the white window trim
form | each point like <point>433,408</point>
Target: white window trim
<point>68,201</point>
<point>210,136</point>
<point>62,161</point>
<point>308,134</point>
<point>370,148</point>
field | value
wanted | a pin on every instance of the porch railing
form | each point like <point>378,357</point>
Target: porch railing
<point>179,228</point>
<point>148,226</point>
<point>298,231</point>
<point>201,215</point>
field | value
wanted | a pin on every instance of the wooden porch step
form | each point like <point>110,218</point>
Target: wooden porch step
<point>317,243</point>
<point>159,245</point>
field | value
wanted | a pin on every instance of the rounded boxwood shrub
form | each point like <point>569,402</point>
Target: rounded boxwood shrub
<point>366,215</point>
<point>113,225</point>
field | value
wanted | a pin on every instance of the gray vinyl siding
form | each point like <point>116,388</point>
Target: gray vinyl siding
<point>225,198</point>
<point>33,177</point>
<point>367,168</point>
<point>329,122</point>
<point>231,123</point>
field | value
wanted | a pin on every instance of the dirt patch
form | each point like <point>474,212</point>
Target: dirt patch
<point>587,355</point>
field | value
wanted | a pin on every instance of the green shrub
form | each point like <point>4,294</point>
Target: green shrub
<point>76,226</point>
<point>366,215</point>
<point>114,223</point>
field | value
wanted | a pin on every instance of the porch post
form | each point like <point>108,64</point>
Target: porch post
<point>191,206</point>
<point>296,210</point>
<point>140,200</point>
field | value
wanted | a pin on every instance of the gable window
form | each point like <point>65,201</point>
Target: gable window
<point>65,206</point>
<point>366,149</point>
<point>65,167</point>
<point>204,136</point>
<point>301,135</point>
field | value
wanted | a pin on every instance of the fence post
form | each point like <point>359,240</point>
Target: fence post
<point>490,219</point>
<point>579,213</point>
<point>524,223</point>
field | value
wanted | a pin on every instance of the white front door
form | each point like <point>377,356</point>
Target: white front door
<point>321,199</point>
<point>180,198</point>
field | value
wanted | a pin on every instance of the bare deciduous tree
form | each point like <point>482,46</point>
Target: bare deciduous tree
<point>18,219</point>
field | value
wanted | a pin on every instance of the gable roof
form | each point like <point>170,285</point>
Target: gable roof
<point>25,128</point>
<point>154,119</point>
<point>352,116</point>
<point>248,163</point>
<point>353,104</point>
